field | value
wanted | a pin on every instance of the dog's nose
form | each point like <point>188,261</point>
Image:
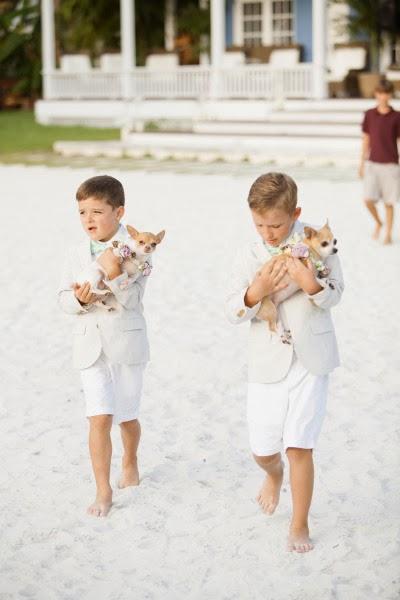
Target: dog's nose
<point>335,250</point>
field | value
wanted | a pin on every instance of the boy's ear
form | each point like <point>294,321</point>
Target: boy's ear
<point>132,231</point>
<point>160,236</point>
<point>309,232</point>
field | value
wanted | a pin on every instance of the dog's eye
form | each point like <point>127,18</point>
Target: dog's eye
<point>153,245</point>
<point>324,244</point>
<point>141,242</point>
<point>334,242</point>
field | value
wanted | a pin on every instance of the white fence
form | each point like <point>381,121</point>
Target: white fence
<point>248,81</point>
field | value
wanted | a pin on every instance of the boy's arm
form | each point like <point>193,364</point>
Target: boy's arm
<point>332,286</point>
<point>365,150</point>
<point>128,293</point>
<point>238,284</point>
<point>66,295</point>
<point>244,298</point>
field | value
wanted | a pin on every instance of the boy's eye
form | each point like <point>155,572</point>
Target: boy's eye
<point>324,244</point>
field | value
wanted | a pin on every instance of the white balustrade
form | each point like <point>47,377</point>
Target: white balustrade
<point>247,81</point>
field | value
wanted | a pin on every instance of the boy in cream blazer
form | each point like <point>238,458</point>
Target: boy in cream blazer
<point>288,377</point>
<point>109,347</point>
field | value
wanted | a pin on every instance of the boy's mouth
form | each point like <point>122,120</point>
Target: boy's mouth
<point>92,228</point>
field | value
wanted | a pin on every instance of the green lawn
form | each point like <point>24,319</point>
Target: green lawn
<point>19,133</point>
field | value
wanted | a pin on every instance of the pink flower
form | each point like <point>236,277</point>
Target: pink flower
<point>125,251</point>
<point>300,250</point>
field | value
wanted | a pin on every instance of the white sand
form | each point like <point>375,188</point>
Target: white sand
<point>192,530</point>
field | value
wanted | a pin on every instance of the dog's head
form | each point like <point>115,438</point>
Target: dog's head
<point>144,242</point>
<point>321,240</point>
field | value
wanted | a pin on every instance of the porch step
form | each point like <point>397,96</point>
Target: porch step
<point>285,125</point>
<point>230,148</point>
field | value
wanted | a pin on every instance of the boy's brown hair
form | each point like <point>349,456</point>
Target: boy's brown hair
<point>384,87</point>
<point>102,187</point>
<point>273,190</point>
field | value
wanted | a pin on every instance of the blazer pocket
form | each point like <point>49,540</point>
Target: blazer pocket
<point>321,325</point>
<point>131,324</point>
<point>79,329</point>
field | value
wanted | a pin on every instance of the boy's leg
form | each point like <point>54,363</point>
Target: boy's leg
<point>268,497</point>
<point>130,434</point>
<point>302,483</point>
<point>389,209</point>
<point>100,453</point>
<point>371,206</point>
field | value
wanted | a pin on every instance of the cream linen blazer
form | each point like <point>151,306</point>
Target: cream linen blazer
<point>307,317</point>
<point>121,334</point>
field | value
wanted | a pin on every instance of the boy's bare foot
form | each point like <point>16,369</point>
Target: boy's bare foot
<point>387,240</point>
<point>299,540</point>
<point>268,496</point>
<point>101,506</point>
<point>377,231</point>
<point>129,476</point>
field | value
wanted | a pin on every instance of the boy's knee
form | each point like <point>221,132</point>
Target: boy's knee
<point>298,453</point>
<point>101,422</point>
<point>264,461</point>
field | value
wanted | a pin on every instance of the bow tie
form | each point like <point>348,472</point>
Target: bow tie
<point>97,247</point>
<point>274,250</point>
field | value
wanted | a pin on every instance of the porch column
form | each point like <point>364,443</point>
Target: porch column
<point>169,25</point>
<point>128,46</point>
<point>319,18</point>
<point>217,15</point>
<point>48,46</point>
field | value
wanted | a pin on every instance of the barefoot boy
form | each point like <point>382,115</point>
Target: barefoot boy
<point>288,376</point>
<point>379,165</point>
<point>110,347</point>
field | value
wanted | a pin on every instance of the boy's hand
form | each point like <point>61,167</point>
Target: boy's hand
<point>83,293</point>
<point>303,275</point>
<point>110,263</point>
<point>266,282</point>
<point>361,170</point>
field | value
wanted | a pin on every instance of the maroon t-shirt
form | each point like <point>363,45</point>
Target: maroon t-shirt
<point>383,131</point>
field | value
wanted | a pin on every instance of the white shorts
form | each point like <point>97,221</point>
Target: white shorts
<point>382,182</point>
<point>289,412</point>
<point>112,389</point>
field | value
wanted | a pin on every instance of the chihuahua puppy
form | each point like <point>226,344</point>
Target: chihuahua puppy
<point>312,250</point>
<point>132,253</point>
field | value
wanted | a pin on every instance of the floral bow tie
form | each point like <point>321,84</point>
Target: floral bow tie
<point>97,247</point>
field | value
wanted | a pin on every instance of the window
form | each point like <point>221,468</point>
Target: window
<point>282,22</point>
<point>252,23</point>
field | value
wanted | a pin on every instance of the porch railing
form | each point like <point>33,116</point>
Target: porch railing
<point>248,81</point>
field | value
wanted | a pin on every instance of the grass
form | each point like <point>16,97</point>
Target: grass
<point>20,134</point>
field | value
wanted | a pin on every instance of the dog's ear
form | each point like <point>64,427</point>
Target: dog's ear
<point>327,223</point>
<point>132,231</point>
<point>309,232</point>
<point>160,236</point>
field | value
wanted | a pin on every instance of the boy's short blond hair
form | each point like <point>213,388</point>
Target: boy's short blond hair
<point>273,190</point>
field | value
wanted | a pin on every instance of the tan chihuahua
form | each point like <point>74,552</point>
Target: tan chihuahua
<point>316,246</point>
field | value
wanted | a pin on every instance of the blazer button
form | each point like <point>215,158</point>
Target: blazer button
<point>241,313</point>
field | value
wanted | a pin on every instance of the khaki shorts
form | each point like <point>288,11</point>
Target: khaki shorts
<point>382,182</point>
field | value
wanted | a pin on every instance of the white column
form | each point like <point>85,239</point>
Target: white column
<point>217,15</point>
<point>128,46</point>
<point>319,22</point>
<point>48,45</point>
<point>217,32</point>
<point>169,25</point>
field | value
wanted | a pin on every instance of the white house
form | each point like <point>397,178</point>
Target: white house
<point>117,91</point>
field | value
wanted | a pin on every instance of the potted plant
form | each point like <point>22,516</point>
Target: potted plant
<point>372,21</point>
